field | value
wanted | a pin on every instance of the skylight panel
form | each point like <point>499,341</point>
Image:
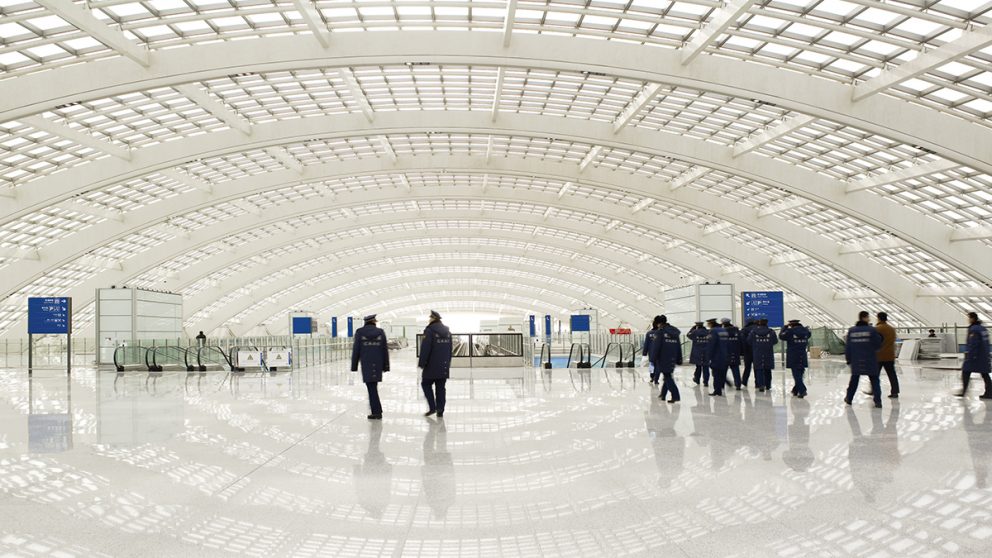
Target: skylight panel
<point>919,27</point>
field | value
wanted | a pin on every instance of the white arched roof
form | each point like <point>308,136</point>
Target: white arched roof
<point>839,151</point>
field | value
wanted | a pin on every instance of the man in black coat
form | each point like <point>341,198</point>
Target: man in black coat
<point>435,361</point>
<point>370,349</point>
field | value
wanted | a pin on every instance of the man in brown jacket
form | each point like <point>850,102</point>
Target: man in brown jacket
<point>887,354</point>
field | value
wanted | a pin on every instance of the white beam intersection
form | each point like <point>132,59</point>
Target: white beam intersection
<point>215,107</point>
<point>722,19</point>
<point>356,92</point>
<point>313,20</point>
<point>82,19</point>
<point>688,177</point>
<point>891,177</point>
<point>511,12</point>
<point>636,105</point>
<point>63,131</point>
<point>770,134</point>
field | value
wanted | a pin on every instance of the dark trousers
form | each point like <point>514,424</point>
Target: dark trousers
<point>719,379</point>
<point>797,376</point>
<point>876,387</point>
<point>762,378</point>
<point>374,402</point>
<point>704,370</point>
<point>890,371</point>
<point>430,386</point>
<point>735,369</point>
<point>747,371</point>
<point>668,387</point>
<point>966,379</point>
<point>654,373</point>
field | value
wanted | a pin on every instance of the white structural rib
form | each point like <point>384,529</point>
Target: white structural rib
<point>287,160</point>
<point>967,43</point>
<point>636,105</point>
<point>84,21</point>
<point>908,173</point>
<point>187,180</point>
<point>688,177</point>
<point>15,253</point>
<point>98,212</point>
<point>215,107</point>
<point>781,206</point>
<point>783,128</point>
<point>500,76</point>
<point>77,136</point>
<point>981,232</point>
<point>388,148</point>
<point>722,19</point>
<point>356,92</point>
<point>313,20</point>
<point>590,157</point>
<point>642,205</point>
<point>511,12</point>
<point>873,245</point>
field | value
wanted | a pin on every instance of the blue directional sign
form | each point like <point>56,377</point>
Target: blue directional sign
<point>533,326</point>
<point>351,326</point>
<point>302,325</point>
<point>580,322</point>
<point>764,304</point>
<point>547,325</point>
<point>49,316</point>
<point>334,326</point>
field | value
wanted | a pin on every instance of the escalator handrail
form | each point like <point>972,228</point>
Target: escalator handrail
<point>199,354</point>
<point>606,353</point>
<point>633,351</point>
<point>548,347</point>
<point>572,350</point>
<point>155,352</point>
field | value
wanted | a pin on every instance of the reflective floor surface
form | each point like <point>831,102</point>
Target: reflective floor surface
<point>525,463</point>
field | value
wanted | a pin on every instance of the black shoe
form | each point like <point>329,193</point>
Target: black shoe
<point>894,396</point>
<point>985,396</point>
<point>429,413</point>
<point>706,384</point>
<point>674,400</point>
<point>715,394</point>
<point>738,388</point>
<point>959,394</point>
<point>374,417</point>
<point>801,395</point>
<point>848,401</point>
<point>878,405</point>
<point>761,390</point>
<point>695,381</point>
<point>440,415</point>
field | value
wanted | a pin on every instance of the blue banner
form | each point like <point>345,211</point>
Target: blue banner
<point>547,325</point>
<point>533,326</point>
<point>334,326</point>
<point>49,316</point>
<point>769,305</point>
<point>579,322</point>
<point>351,327</point>
<point>302,325</point>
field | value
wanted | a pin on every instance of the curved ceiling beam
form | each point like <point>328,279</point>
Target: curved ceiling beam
<point>539,288</point>
<point>732,251</point>
<point>876,276</point>
<point>926,234</point>
<point>556,254</point>
<point>910,123</point>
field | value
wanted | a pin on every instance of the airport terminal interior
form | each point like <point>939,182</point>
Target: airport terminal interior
<point>611,269</point>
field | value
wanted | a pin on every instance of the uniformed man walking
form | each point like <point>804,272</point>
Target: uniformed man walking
<point>435,362</point>
<point>699,336</point>
<point>976,357</point>
<point>762,341</point>
<point>665,355</point>
<point>746,353</point>
<point>649,339</point>
<point>716,353</point>
<point>796,337</point>
<point>734,347</point>
<point>371,350</point>
<point>860,351</point>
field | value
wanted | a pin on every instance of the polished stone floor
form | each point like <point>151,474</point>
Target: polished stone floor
<point>524,463</point>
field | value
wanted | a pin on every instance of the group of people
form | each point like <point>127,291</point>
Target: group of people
<point>371,350</point>
<point>718,348</point>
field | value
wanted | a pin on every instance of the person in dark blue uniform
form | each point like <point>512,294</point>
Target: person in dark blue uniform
<point>860,351</point>
<point>699,335</point>
<point>370,349</point>
<point>435,361</point>
<point>762,341</point>
<point>746,353</point>
<point>976,357</point>
<point>665,355</point>
<point>796,337</point>
<point>734,347</point>
<point>716,353</point>
<point>650,338</point>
